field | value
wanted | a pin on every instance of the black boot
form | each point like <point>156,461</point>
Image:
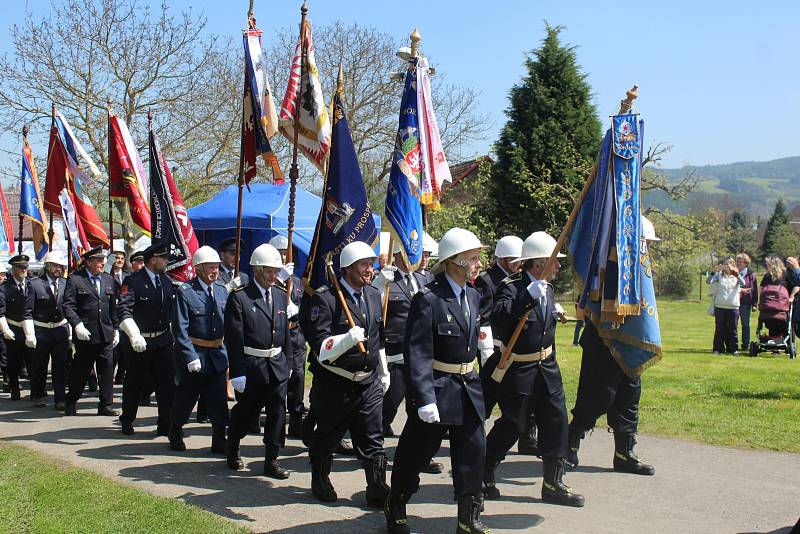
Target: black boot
<point>321,485</point>
<point>175,436</point>
<point>13,382</point>
<point>377,489</point>
<point>345,448</point>
<point>554,491</point>
<point>232,454</point>
<point>573,444</point>
<point>527,443</point>
<point>625,460</point>
<point>273,469</point>
<point>469,515</point>
<point>394,509</point>
<point>218,439</point>
<point>490,490</point>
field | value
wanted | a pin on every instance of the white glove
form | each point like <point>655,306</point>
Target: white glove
<point>82,332</point>
<point>385,276</point>
<point>239,383</point>
<point>559,309</point>
<point>383,370</point>
<point>30,334</point>
<point>286,272</point>
<point>194,366</point>
<point>485,355</point>
<point>138,342</point>
<point>235,283</point>
<point>429,413</point>
<point>292,310</point>
<point>335,346</point>
<point>7,332</point>
<point>115,341</point>
<point>538,289</point>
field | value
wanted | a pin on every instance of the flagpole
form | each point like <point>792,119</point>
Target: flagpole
<point>110,202</point>
<point>625,106</point>
<point>345,307</point>
<point>25,129</point>
<point>50,231</point>
<point>294,173</point>
<point>416,37</point>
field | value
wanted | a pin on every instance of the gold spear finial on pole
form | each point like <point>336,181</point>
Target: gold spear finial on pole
<point>416,37</point>
<point>630,95</point>
<point>340,80</point>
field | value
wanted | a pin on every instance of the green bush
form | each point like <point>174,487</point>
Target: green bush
<point>675,279</point>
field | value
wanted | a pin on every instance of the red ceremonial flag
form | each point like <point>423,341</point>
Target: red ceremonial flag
<point>57,172</point>
<point>8,230</point>
<point>126,174</point>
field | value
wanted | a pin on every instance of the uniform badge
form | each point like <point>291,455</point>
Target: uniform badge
<point>482,335</point>
<point>253,308</point>
<point>314,313</point>
<point>123,291</point>
<point>329,344</point>
<point>449,317</point>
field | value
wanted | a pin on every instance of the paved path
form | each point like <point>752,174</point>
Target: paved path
<point>697,488</point>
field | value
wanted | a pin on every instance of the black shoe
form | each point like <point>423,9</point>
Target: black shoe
<point>127,429</point>
<point>16,394</point>
<point>92,387</point>
<point>176,438</point>
<point>255,428</point>
<point>490,490</point>
<point>344,448</point>
<point>573,445</point>
<point>144,400</point>
<point>162,430</point>
<point>218,440</point>
<point>433,468</point>
<point>625,461</point>
<point>469,515</point>
<point>232,454</point>
<point>388,432</point>
<point>202,419</point>
<point>119,379</point>
<point>554,491</point>
<point>69,409</point>
<point>375,472</point>
<point>105,410</point>
<point>40,402</point>
<point>321,485</point>
<point>394,510</point>
<point>60,405</point>
<point>273,469</point>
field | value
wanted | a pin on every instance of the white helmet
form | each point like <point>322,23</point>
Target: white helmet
<point>509,246</point>
<point>454,242</point>
<point>648,230</point>
<point>355,251</point>
<point>205,254</point>
<point>429,244</point>
<point>55,257</point>
<point>280,242</point>
<point>266,256</point>
<point>538,245</point>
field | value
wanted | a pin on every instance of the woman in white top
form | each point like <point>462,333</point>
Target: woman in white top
<point>724,288</point>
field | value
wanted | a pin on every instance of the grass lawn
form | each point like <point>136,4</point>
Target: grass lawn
<point>691,393</point>
<point>38,495</point>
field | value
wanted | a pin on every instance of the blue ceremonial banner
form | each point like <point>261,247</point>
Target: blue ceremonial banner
<point>403,206</point>
<point>345,215</point>
<point>610,255</point>
<point>30,202</point>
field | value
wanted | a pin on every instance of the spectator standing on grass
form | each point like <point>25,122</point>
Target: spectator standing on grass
<point>748,296</point>
<point>725,284</point>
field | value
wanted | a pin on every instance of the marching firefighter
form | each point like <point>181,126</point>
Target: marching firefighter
<point>532,375</point>
<point>445,395</point>
<point>350,373</point>
<point>16,320</point>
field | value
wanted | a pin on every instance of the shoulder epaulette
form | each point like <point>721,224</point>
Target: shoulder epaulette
<point>276,286</point>
<point>321,289</point>
<point>240,288</point>
<point>186,286</point>
<point>511,278</point>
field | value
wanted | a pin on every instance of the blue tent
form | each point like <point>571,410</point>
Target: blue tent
<point>265,213</point>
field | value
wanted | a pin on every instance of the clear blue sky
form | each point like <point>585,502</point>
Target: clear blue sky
<point>713,76</point>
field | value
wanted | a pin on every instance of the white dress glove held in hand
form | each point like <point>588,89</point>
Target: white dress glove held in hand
<point>385,276</point>
<point>383,370</point>
<point>82,332</point>
<point>138,342</point>
<point>239,383</point>
<point>116,339</point>
<point>334,346</point>
<point>538,289</point>
<point>194,366</point>
<point>235,283</point>
<point>30,334</point>
<point>286,272</point>
<point>292,310</point>
<point>429,413</point>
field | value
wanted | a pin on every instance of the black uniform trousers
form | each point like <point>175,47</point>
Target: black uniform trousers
<point>420,441</point>
<point>248,406</point>
<point>340,405</point>
<point>156,365</point>
<point>16,353</point>
<point>49,346</point>
<point>603,388</point>
<point>295,388</point>
<point>87,356</point>
<point>394,395</point>
<point>190,387</point>
<point>548,407</point>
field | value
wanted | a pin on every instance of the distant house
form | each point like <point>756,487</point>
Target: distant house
<point>462,173</point>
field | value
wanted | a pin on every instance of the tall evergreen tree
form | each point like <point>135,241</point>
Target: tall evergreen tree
<point>548,145</point>
<point>775,227</point>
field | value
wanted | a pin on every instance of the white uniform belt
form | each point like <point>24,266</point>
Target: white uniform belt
<point>454,368</point>
<point>150,335</point>
<point>529,357</point>
<point>262,353</point>
<point>18,324</point>
<point>62,322</point>
<point>394,358</point>
<point>358,376</point>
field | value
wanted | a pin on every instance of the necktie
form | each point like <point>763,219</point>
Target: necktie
<point>213,308</point>
<point>96,283</point>
<point>21,288</point>
<point>464,304</point>
<point>157,282</point>
<point>55,287</point>
<point>409,284</point>
<point>360,304</point>
<point>268,298</point>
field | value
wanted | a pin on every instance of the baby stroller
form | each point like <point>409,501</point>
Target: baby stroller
<point>775,312</point>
